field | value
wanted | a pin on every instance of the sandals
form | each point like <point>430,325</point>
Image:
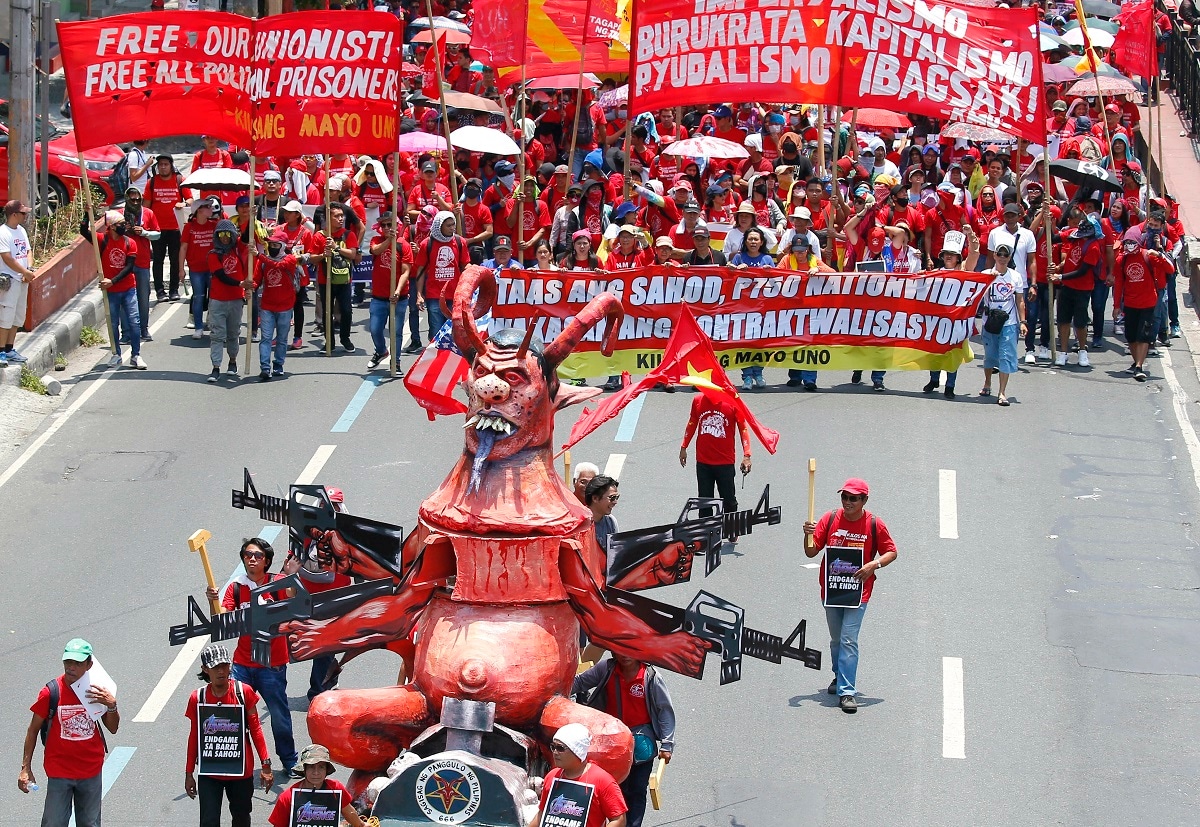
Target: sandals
<point>986,392</point>
<point>1002,401</point>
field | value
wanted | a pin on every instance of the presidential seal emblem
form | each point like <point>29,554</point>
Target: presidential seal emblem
<point>448,791</point>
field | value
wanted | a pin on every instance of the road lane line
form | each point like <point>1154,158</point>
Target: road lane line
<point>948,504</point>
<point>1179,402</point>
<point>162,320</point>
<point>954,728</point>
<point>629,419</point>
<point>613,467</point>
<point>114,765</point>
<point>315,465</point>
<point>357,403</point>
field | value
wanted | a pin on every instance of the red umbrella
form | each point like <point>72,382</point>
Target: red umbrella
<point>410,70</point>
<point>567,81</point>
<point>451,36</point>
<point>877,119</point>
<point>706,147</point>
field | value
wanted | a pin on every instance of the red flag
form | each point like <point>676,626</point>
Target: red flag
<point>1135,49</point>
<point>688,360</point>
<point>602,22</point>
<point>500,32</point>
<point>435,60</point>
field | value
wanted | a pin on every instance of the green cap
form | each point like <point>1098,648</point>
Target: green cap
<point>77,649</point>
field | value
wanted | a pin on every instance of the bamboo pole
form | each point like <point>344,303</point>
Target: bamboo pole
<point>627,186</point>
<point>1150,146</point>
<point>578,110</point>
<point>821,137</point>
<point>328,266</point>
<point>567,466</point>
<point>394,341</point>
<point>87,205</point>
<point>1048,229</point>
<point>253,243</point>
<point>439,60</point>
<point>812,498</point>
<point>519,190</point>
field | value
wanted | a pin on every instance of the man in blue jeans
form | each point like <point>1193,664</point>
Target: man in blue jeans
<point>269,680</point>
<point>854,527</point>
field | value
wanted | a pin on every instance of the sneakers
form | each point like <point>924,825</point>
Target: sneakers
<point>232,368</point>
<point>759,382</point>
<point>114,361</point>
<point>1060,360</point>
<point>257,337</point>
<point>1084,362</point>
<point>174,297</point>
<point>1119,328</point>
<point>377,359</point>
<point>1175,331</point>
<point>146,337</point>
<point>191,325</point>
<point>160,296</point>
<point>265,376</point>
<point>214,376</point>
<point>747,385</point>
<point>1029,358</point>
<point>848,704</point>
<point>856,377</point>
<point>878,387</point>
<point>296,344</point>
<point>811,387</point>
<point>347,345</point>
<point>414,348</point>
<point>1043,353</point>
<point>614,384</point>
<point>794,383</point>
<point>277,372</point>
<point>15,358</point>
<point>138,362</point>
<point>1154,352</point>
<point>930,386</point>
<point>1139,374</point>
<point>196,334</point>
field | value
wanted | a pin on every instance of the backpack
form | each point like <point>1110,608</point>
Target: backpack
<point>52,688</point>
<point>118,179</point>
<point>339,269</point>
<point>585,130</point>
<point>237,691</point>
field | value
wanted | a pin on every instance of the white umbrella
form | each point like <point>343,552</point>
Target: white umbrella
<point>441,24</point>
<point>1100,38</point>
<point>483,139</point>
<point>221,178</point>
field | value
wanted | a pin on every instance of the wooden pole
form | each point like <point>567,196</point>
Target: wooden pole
<point>394,341</point>
<point>519,190</point>
<point>328,266</point>
<point>853,142</point>
<point>821,137</point>
<point>578,110</point>
<point>253,236</point>
<point>567,465</point>
<point>627,186</point>
<point>656,780</point>
<point>1149,146</point>
<point>1048,229</point>
<point>438,60</point>
<point>87,205</point>
<point>196,543</point>
<point>812,498</point>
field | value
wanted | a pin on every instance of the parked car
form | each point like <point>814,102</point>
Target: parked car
<point>64,164</point>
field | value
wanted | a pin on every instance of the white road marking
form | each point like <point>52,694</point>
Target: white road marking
<point>1179,401</point>
<point>182,664</point>
<point>954,728</point>
<point>175,673</point>
<point>948,504</point>
<point>162,320</point>
<point>613,467</point>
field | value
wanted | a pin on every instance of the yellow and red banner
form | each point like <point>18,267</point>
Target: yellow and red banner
<point>953,62</point>
<point>757,318</point>
<point>556,36</point>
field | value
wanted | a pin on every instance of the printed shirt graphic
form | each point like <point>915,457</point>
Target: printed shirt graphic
<point>15,242</point>
<point>715,431</point>
<point>74,748</point>
<point>607,802</point>
<point>835,530</point>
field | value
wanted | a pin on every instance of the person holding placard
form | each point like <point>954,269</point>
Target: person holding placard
<point>223,723</point>
<point>70,731</point>
<point>315,800</point>
<point>858,545</point>
<point>575,792</point>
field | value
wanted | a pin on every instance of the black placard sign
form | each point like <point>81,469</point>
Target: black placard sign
<point>842,589</point>
<point>222,739</point>
<point>316,808</point>
<point>567,803</point>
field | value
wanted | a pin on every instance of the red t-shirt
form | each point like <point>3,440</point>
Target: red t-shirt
<point>252,734</point>
<point>443,261</point>
<point>607,800</point>
<point>277,279</point>
<point>74,746</point>
<point>619,261</point>
<point>716,424</point>
<point>420,197</point>
<point>1139,277</point>
<point>113,258</point>
<point>161,195</point>
<point>372,195</point>
<point>381,269</point>
<point>628,698</point>
<point>237,596</point>
<point>233,265</point>
<point>281,813</point>
<point>199,239</point>
<point>1074,256</point>
<point>475,218</point>
<point>533,216</point>
<point>835,530</point>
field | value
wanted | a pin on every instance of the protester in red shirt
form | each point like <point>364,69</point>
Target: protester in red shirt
<point>428,192</point>
<point>1140,277</point>
<point>569,750</point>
<point>212,157</point>
<point>339,252</point>
<point>227,262</point>
<point>143,229</point>
<point>315,765</point>
<point>850,526</point>
<point>74,753</point>
<point>1075,276</point>
<point>476,217</point>
<point>162,195</point>
<point>382,294</point>
<point>439,261</point>
<point>215,666</point>
<point>533,216</point>
<point>629,252</point>
<point>726,129</point>
<point>118,258</point>
<point>713,420</point>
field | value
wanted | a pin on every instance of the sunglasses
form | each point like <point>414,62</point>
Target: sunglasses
<point>556,747</point>
<point>254,555</point>
<point>852,498</point>
<point>1003,255</point>
<point>612,498</point>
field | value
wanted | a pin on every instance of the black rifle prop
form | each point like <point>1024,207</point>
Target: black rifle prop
<point>261,620</point>
<point>308,507</point>
<point>629,549</point>
<point>729,635</point>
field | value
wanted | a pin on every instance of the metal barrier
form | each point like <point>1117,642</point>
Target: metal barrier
<point>1182,62</point>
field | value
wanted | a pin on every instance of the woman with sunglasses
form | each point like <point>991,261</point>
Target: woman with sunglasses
<point>850,526</point>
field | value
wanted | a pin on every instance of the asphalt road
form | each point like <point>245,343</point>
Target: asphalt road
<point>1065,591</point>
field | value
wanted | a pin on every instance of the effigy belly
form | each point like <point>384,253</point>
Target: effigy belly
<point>518,656</point>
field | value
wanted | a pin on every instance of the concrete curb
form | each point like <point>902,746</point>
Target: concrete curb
<point>58,334</point>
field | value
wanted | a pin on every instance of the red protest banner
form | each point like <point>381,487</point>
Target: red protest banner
<point>758,318</point>
<point>963,63</point>
<point>602,21</point>
<point>1135,51</point>
<point>499,32</point>
<point>157,74</point>
<point>326,82</point>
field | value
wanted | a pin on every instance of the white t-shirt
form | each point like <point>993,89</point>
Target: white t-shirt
<point>1002,293</point>
<point>1022,242</point>
<point>15,242</point>
<point>785,242</point>
<point>137,159</point>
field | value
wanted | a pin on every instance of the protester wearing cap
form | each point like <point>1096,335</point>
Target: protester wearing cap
<point>313,768</point>
<point>745,217</point>
<point>702,253</point>
<point>1023,248</point>
<point>502,256</point>
<point>664,250</point>
<point>1081,253</point>
<point>429,191</point>
<point>143,229</point>
<point>801,225</point>
<point>74,746</point>
<point>15,277</point>
<point>726,127</point>
<point>569,751</point>
<point>210,156</point>
<point>215,666</point>
<point>1005,295</point>
<point>855,527</point>
<point>118,257</point>
<point>555,195</point>
<point>525,220</point>
<point>560,239</point>
<point>593,213</point>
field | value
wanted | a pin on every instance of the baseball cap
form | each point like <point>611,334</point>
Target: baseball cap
<point>428,166</point>
<point>701,229</point>
<point>1059,106</point>
<point>632,229</point>
<point>691,206</point>
<point>562,169</point>
<point>547,169</point>
<point>113,217</point>
<point>855,486</point>
<point>801,240</point>
<point>1011,209</point>
<point>502,167</point>
<point>214,654</point>
<point>13,207</point>
<point>722,111</point>
<point>714,189</point>
<point>77,649</point>
<point>502,242</point>
<point>243,201</point>
<point>1003,250</point>
<point>272,175</point>
<point>293,206</point>
<point>663,241</point>
<point>1112,107</point>
<point>682,184</point>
